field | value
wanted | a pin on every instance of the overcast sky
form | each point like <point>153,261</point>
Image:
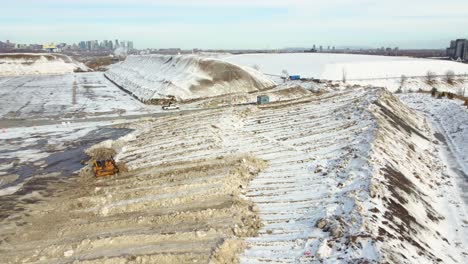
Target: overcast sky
<point>238,24</point>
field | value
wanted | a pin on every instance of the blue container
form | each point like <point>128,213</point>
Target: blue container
<point>294,77</point>
<point>263,99</point>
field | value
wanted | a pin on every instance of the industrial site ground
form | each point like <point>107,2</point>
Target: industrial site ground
<point>324,173</point>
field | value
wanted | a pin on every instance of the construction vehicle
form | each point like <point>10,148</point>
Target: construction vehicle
<point>103,168</point>
<point>170,106</point>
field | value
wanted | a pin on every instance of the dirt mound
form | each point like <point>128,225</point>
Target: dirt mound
<point>182,212</point>
<point>155,77</point>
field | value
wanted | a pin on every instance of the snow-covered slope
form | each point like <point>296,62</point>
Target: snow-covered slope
<point>410,209</point>
<point>36,64</point>
<point>449,117</point>
<point>331,66</point>
<point>154,77</point>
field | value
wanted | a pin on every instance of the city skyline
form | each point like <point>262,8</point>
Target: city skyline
<point>209,24</point>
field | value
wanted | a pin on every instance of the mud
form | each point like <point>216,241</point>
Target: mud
<point>64,162</point>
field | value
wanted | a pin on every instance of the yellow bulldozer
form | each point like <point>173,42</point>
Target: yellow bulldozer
<point>103,168</point>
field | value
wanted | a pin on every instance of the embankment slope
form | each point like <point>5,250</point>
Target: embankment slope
<point>152,78</point>
<point>16,64</point>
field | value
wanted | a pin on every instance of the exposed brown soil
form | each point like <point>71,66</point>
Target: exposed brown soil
<point>183,212</point>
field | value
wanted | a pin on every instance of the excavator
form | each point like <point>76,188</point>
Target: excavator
<point>103,168</point>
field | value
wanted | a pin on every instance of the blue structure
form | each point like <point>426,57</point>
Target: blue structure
<point>294,77</point>
<point>263,99</point>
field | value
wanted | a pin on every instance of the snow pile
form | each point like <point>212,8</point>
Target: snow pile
<point>156,77</point>
<point>37,64</point>
<point>332,66</point>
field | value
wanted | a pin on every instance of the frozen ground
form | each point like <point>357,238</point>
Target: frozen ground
<point>331,66</point>
<point>69,96</point>
<point>350,176</point>
<point>28,152</point>
<point>337,176</point>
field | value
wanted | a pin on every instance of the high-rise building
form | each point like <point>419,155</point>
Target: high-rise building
<point>458,50</point>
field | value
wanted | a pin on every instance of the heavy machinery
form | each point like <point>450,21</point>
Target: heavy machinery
<point>102,168</point>
<point>171,104</point>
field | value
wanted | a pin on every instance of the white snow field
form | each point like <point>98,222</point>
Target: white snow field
<point>13,64</point>
<point>155,77</point>
<point>64,96</point>
<point>331,66</point>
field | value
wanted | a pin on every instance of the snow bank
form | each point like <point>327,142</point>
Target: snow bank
<point>38,64</point>
<point>155,77</point>
<point>331,66</point>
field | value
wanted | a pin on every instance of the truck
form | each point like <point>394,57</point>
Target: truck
<point>170,106</point>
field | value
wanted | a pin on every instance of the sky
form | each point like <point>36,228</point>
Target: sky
<point>240,24</point>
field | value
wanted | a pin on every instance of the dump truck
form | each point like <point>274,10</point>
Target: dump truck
<point>103,168</point>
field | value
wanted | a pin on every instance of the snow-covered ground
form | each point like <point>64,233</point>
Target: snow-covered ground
<point>449,119</point>
<point>352,175</point>
<point>413,84</point>
<point>68,96</point>
<point>155,77</point>
<point>331,66</point>
<point>29,152</point>
<point>16,64</point>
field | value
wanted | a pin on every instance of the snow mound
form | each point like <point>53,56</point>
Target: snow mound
<point>331,66</point>
<point>152,78</point>
<point>38,64</point>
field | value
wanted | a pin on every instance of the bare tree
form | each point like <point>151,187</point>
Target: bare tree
<point>285,75</point>
<point>461,78</point>
<point>403,80</point>
<point>430,77</point>
<point>450,77</point>
<point>344,75</point>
